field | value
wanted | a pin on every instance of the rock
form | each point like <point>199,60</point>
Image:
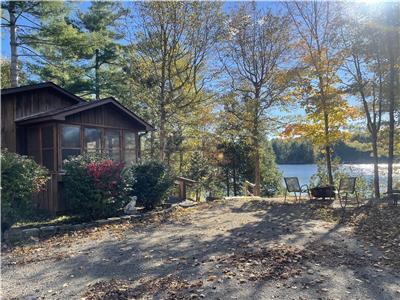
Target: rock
<point>101,222</point>
<point>31,233</point>
<point>47,231</point>
<point>87,225</point>
<point>13,236</point>
<point>309,271</point>
<point>135,217</point>
<point>64,228</point>
<point>77,227</point>
<point>187,203</point>
<point>242,280</point>
<point>194,296</point>
<point>114,220</point>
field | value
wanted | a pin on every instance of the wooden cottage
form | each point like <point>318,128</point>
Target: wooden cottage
<point>50,124</point>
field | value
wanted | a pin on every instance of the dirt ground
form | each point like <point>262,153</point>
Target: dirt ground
<point>236,249</point>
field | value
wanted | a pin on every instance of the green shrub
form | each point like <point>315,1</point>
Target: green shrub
<point>96,187</point>
<point>151,182</point>
<point>20,178</point>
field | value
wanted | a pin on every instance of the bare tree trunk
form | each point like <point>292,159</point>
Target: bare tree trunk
<point>162,134</point>
<point>391,133</point>
<point>180,160</point>
<point>256,144</point>
<point>374,140</point>
<point>13,45</point>
<point>257,173</point>
<point>96,74</point>
<point>152,144</point>
<point>163,82</point>
<point>328,149</point>
<point>392,36</point>
<point>227,182</point>
<point>234,176</point>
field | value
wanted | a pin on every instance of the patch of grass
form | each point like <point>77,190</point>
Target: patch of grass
<point>47,220</point>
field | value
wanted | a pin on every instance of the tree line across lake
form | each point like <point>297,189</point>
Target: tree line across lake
<point>301,152</point>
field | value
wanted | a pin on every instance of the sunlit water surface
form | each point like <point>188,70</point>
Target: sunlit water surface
<point>304,172</point>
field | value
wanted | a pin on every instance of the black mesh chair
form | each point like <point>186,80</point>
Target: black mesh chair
<point>293,186</point>
<point>347,186</point>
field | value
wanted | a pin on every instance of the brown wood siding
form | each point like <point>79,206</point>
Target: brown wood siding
<point>8,128</point>
<point>42,100</point>
<point>105,116</point>
<point>23,104</point>
<point>47,199</point>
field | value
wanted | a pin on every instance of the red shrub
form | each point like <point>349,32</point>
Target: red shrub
<point>106,174</point>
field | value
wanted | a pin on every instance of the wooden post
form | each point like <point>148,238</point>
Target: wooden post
<point>182,189</point>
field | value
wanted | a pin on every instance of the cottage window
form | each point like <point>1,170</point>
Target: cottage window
<point>70,141</point>
<point>92,140</point>
<point>129,147</point>
<point>112,144</point>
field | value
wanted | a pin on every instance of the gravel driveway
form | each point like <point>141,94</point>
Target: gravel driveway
<point>237,249</point>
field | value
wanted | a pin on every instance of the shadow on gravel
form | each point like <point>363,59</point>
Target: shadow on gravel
<point>156,252</point>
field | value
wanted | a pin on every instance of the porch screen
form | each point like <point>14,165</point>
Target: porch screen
<point>129,147</point>
<point>112,145</point>
<point>92,140</point>
<point>70,141</point>
<point>48,147</point>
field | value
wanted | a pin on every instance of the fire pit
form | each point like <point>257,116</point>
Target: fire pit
<point>323,192</point>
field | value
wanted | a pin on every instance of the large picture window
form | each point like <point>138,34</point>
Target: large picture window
<point>117,144</point>
<point>129,147</point>
<point>112,144</point>
<point>70,141</point>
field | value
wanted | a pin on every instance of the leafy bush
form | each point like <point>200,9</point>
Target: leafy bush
<point>96,187</point>
<point>271,177</point>
<point>20,178</point>
<point>151,182</point>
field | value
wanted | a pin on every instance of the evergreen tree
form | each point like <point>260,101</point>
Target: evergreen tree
<point>87,49</point>
<point>25,21</point>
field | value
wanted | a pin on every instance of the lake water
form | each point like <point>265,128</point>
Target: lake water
<point>304,172</point>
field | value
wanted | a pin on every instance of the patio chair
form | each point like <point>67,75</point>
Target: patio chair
<point>347,186</point>
<point>394,196</point>
<point>293,186</point>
